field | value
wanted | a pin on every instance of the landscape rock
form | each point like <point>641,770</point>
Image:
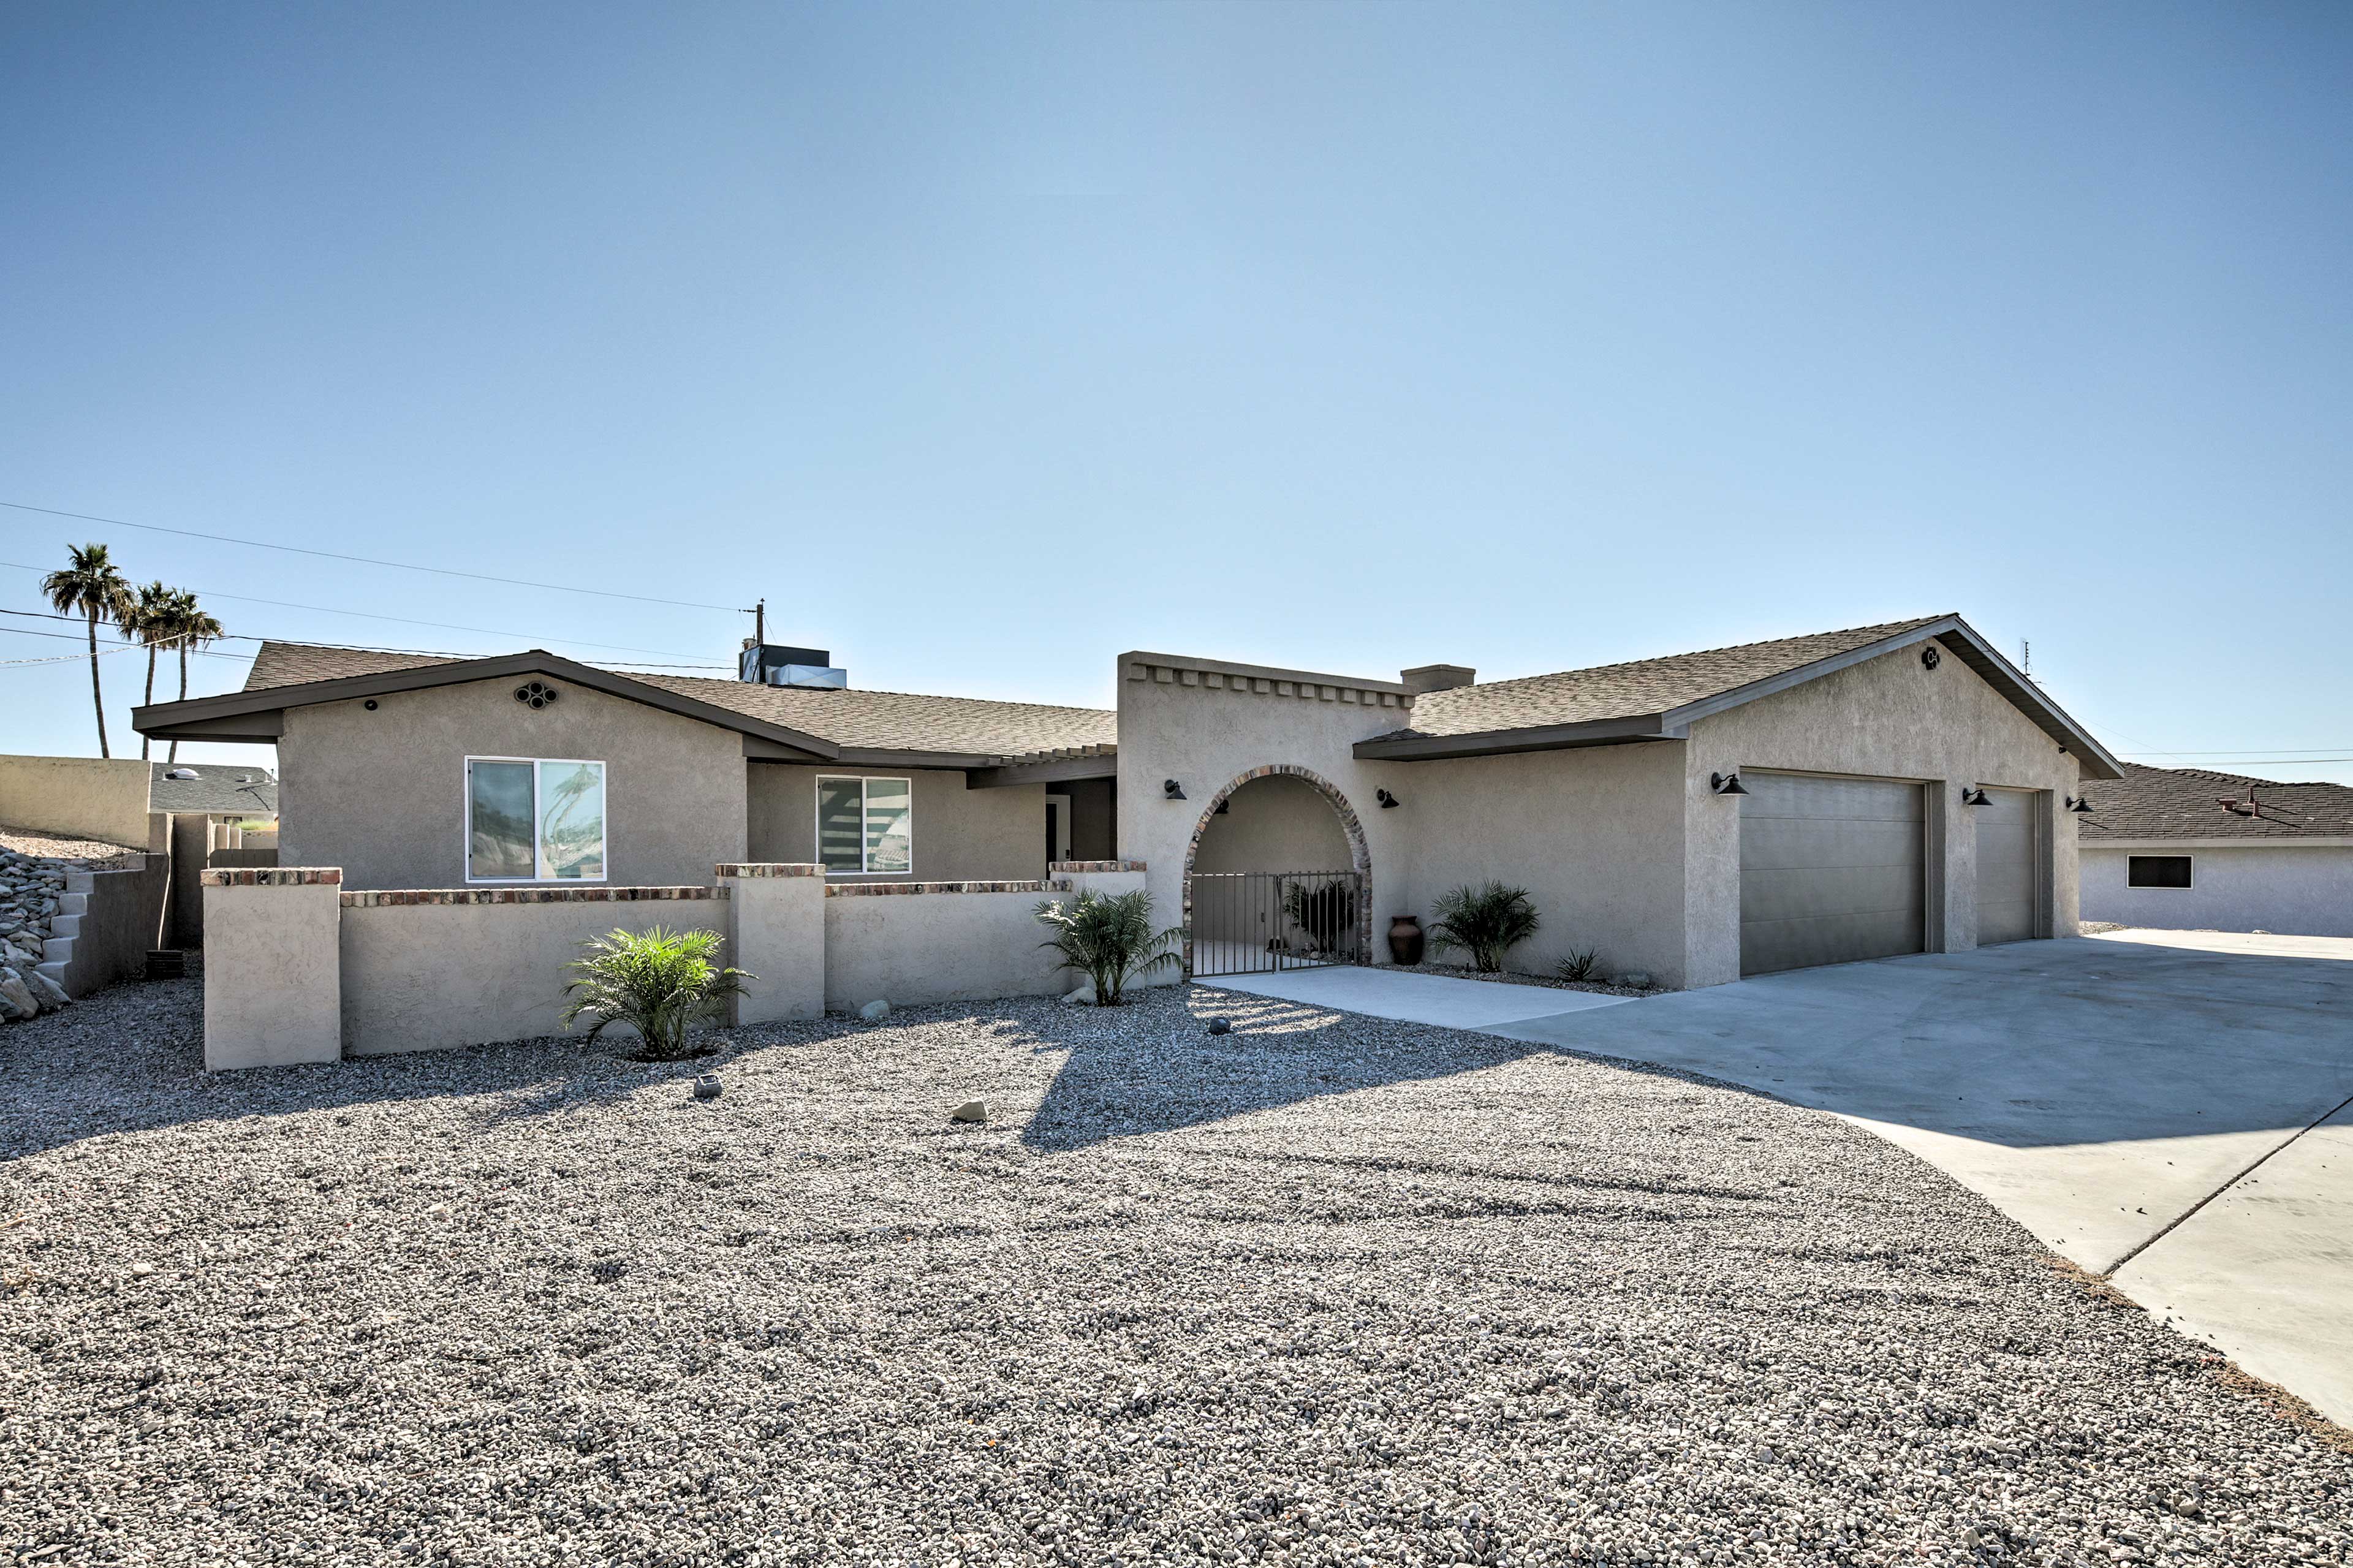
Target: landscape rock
<point>49,993</point>
<point>970,1110</point>
<point>878,1008</point>
<point>1083,996</point>
<point>17,996</point>
<point>1637,978</point>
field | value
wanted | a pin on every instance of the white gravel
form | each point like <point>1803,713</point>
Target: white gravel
<point>1327,1290</point>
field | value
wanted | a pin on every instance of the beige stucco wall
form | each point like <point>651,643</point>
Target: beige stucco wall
<point>2289,889</point>
<point>1594,834</point>
<point>776,931</point>
<point>383,794</point>
<point>909,949</point>
<point>420,977</point>
<point>272,980</point>
<point>1277,824</point>
<point>1888,717</point>
<point>960,835</point>
<point>77,798</point>
<point>1207,736</point>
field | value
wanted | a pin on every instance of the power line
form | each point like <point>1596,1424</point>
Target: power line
<point>408,621</point>
<point>371,560</point>
<point>2263,752</point>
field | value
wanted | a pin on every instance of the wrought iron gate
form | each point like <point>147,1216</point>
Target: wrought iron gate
<point>1254,923</point>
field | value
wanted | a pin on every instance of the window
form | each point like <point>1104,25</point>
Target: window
<point>865,825</point>
<point>2156,870</point>
<point>534,820</point>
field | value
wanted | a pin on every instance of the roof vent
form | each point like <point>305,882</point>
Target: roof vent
<point>770,664</point>
<point>1424,678</point>
<point>181,773</point>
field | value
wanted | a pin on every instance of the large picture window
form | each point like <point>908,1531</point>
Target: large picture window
<point>534,820</point>
<point>865,825</point>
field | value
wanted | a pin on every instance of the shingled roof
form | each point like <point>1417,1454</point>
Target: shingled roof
<point>1624,691</point>
<point>857,720</point>
<point>2190,803</point>
<point>218,789</point>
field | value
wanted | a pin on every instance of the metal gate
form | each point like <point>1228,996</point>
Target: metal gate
<point>1254,923</point>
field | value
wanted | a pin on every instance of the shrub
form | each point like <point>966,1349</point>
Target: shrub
<point>1326,912</point>
<point>1109,938</point>
<point>1580,965</point>
<point>1489,920</point>
<point>662,984</point>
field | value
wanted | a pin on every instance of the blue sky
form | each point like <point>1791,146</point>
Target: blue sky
<point>986,342</point>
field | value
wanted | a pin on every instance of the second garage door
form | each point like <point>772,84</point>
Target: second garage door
<point>1831,870</point>
<point>2009,867</point>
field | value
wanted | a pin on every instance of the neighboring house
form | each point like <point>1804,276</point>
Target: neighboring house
<point>219,791</point>
<point>2186,850</point>
<point>1606,792</point>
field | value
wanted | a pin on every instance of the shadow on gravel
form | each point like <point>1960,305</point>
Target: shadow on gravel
<point>131,1060</point>
<point>1153,1069</point>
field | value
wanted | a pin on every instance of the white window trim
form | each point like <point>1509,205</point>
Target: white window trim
<point>538,860</point>
<point>2158,855</point>
<point>817,820</point>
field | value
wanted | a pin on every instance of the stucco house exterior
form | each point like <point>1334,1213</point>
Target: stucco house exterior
<point>2187,849</point>
<point>1885,789</point>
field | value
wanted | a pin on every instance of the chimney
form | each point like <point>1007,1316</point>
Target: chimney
<point>1424,678</point>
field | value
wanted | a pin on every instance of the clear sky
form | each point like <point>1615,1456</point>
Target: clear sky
<point>989,340</point>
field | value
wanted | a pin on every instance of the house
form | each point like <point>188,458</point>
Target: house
<point>1885,789</point>
<point>225,794</point>
<point>2187,849</point>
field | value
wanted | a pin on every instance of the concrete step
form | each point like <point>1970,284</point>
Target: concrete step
<point>65,925</point>
<point>54,970</point>
<point>73,903</point>
<point>57,950</point>
<point>82,881</point>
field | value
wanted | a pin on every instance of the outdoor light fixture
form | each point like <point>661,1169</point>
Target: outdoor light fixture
<point>1975,797</point>
<point>1172,789</point>
<point>2078,805</point>
<point>1725,784</point>
<point>1386,798</point>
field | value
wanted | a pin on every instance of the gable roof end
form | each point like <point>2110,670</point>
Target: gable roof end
<point>1659,699</point>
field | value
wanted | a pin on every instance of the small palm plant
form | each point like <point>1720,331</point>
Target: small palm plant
<point>1490,919</point>
<point>1108,938</point>
<point>660,984</point>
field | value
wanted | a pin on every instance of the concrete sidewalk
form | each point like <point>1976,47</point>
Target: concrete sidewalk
<point>2168,1109</point>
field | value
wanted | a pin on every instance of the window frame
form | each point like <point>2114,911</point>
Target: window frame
<point>2131,885</point>
<point>817,820</point>
<point>538,851</point>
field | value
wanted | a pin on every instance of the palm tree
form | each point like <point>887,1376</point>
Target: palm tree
<point>153,621</point>
<point>94,587</point>
<point>192,628</point>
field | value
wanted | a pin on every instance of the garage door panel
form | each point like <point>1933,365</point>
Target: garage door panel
<point>2009,867</point>
<point>1832,870</point>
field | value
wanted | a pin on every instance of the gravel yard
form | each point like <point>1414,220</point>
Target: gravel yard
<point>1324,1291</point>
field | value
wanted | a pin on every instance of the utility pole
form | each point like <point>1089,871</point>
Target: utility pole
<point>760,621</point>
<point>2025,657</point>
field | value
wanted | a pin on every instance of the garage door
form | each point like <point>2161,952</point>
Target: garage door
<point>1831,871</point>
<point>2009,867</point>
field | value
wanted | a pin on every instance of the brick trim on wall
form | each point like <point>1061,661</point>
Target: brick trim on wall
<point>896,889</point>
<point>275,876</point>
<point>1361,856</point>
<point>766,868</point>
<point>1074,868</point>
<point>379,899</point>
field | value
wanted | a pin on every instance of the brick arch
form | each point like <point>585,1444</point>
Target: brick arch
<point>1360,857</point>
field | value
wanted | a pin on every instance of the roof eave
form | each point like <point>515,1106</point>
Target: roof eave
<point>2093,760</point>
<point>1615,731</point>
<point>243,715</point>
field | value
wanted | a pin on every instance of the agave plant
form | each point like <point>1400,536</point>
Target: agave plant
<point>1490,919</point>
<point>1108,938</point>
<point>1582,964</point>
<point>660,984</point>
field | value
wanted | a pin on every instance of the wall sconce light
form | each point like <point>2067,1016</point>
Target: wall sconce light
<point>2078,805</point>
<point>1386,798</point>
<point>1172,789</point>
<point>1725,784</point>
<point>1975,797</point>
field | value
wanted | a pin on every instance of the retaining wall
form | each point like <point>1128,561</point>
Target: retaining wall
<point>78,797</point>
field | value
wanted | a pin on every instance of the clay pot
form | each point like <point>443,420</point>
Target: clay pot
<point>1406,940</point>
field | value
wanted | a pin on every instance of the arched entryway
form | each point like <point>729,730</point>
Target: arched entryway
<point>1276,875</point>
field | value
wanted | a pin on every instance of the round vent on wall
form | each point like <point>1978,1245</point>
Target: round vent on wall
<point>1930,657</point>
<point>536,694</point>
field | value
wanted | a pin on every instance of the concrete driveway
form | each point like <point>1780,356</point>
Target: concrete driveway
<point>2173,1110</point>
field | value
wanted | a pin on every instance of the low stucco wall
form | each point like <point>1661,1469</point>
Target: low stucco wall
<point>2290,891</point>
<point>77,798</point>
<point>960,835</point>
<point>925,943</point>
<point>424,971</point>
